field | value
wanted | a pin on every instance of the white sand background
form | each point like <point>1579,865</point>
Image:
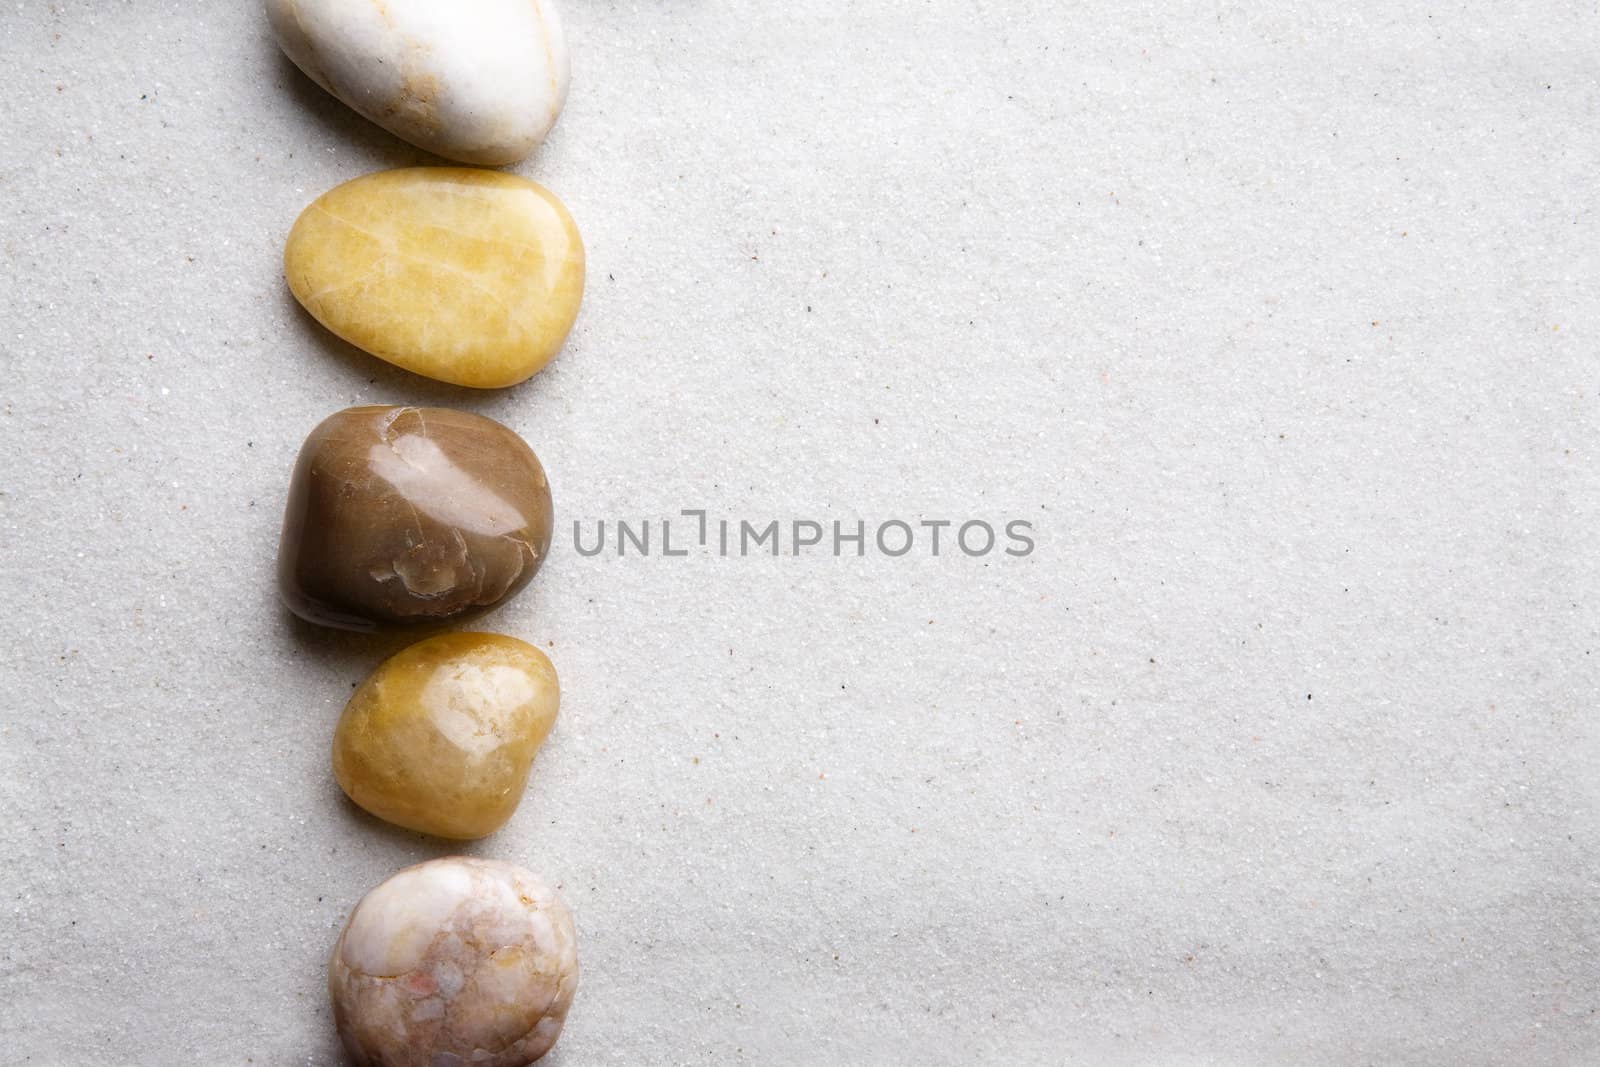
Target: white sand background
<point>1280,321</point>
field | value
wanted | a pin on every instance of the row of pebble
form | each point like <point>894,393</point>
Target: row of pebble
<point>410,517</point>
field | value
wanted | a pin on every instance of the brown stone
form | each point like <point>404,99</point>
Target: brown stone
<point>404,516</point>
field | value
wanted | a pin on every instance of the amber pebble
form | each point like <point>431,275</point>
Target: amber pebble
<point>403,516</point>
<point>441,736</point>
<point>472,277</point>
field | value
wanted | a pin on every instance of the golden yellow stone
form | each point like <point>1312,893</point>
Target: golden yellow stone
<point>441,736</point>
<point>472,277</point>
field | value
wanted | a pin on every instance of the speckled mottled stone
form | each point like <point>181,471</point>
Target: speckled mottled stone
<point>456,962</point>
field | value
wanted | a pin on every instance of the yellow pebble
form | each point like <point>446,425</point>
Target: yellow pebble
<point>472,277</point>
<point>441,736</point>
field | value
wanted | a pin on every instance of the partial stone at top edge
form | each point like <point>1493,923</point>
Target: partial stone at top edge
<point>476,81</point>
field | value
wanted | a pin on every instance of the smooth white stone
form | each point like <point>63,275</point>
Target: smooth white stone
<point>480,81</point>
